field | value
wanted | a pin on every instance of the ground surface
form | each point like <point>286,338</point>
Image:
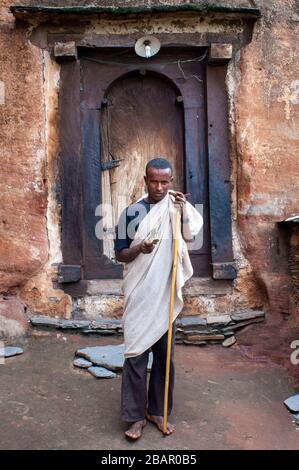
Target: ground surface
<point>223,400</point>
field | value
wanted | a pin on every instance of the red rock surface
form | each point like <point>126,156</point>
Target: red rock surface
<point>13,319</point>
<point>23,236</point>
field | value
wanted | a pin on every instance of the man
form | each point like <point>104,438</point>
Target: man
<point>144,242</point>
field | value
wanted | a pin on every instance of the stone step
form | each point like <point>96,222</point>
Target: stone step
<point>189,328</point>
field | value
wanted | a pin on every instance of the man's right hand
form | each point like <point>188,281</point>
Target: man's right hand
<point>129,254</point>
<point>146,247</point>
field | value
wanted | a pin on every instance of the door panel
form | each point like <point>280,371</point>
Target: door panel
<point>140,121</point>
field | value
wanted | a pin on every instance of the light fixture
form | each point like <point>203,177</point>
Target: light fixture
<point>147,46</point>
<point>147,49</point>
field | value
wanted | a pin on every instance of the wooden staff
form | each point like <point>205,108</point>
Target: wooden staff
<point>169,336</point>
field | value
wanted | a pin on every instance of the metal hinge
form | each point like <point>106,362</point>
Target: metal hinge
<point>110,164</point>
<point>224,270</point>
<point>68,273</point>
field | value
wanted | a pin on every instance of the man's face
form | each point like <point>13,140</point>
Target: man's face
<point>158,182</point>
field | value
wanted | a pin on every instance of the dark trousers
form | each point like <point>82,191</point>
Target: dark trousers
<point>135,398</point>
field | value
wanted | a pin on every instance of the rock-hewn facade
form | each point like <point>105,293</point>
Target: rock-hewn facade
<point>263,92</point>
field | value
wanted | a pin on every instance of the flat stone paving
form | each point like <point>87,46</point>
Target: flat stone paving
<point>223,400</point>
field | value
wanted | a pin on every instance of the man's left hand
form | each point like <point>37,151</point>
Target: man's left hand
<point>180,200</point>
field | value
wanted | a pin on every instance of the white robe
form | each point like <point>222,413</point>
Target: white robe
<point>147,279</point>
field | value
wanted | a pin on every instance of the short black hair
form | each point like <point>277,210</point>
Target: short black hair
<point>158,163</point>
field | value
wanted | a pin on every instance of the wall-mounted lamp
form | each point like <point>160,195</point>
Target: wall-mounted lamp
<point>147,46</point>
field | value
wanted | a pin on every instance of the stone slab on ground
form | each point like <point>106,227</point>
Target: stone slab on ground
<point>45,321</point>
<point>242,324</point>
<point>101,326</point>
<point>292,403</point>
<point>247,315</point>
<point>198,331</point>
<point>190,321</point>
<point>101,372</point>
<point>48,322</point>
<point>111,356</point>
<point>82,363</point>
<point>106,324</point>
<point>89,331</point>
<point>73,324</point>
<point>194,343</point>
<point>229,342</point>
<point>205,337</point>
<point>211,319</point>
<point>9,351</point>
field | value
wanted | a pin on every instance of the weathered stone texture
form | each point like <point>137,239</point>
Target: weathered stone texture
<point>266,107</point>
<point>29,220</point>
<point>23,236</point>
<point>13,318</point>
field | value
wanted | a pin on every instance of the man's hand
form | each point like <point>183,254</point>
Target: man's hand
<point>180,200</point>
<point>129,254</point>
<point>147,246</point>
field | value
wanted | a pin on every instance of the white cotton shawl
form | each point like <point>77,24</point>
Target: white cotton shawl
<point>147,279</point>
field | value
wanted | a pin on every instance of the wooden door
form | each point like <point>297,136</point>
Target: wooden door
<point>141,120</point>
<point>131,111</point>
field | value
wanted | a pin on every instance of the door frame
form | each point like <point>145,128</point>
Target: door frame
<point>79,158</point>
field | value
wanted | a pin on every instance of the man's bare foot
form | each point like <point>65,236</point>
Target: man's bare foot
<point>135,430</point>
<point>158,421</point>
